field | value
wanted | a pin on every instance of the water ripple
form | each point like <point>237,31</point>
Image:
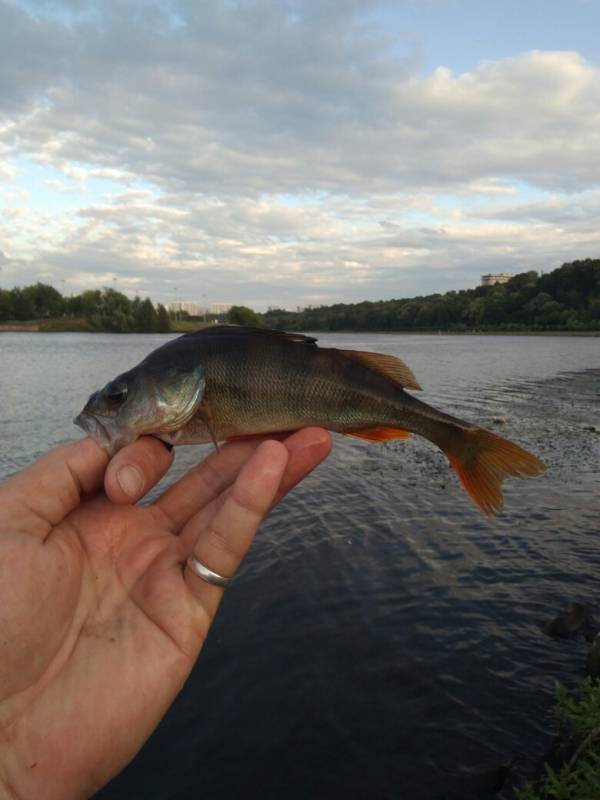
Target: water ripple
<point>383,639</point>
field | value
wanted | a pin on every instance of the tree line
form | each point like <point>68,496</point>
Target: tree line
<point>95,310</point>
<point>566,299</point>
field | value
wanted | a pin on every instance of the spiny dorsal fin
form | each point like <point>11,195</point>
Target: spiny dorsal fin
<point>388,366</point>
<point>246,330</point>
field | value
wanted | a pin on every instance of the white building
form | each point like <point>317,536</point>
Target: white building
<point>195,309</point>
<point>499,277</point>
<point>219,308</point>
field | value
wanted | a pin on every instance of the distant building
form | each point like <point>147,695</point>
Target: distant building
<point>499,277</point>
<point>193,309</point>
<point>198,309</point>
<point>219,308</point>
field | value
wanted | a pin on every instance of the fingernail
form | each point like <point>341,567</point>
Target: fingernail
<point>130,480</point>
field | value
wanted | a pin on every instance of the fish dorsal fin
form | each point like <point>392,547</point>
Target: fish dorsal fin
<point>246,330</point>
<point>388,366</point>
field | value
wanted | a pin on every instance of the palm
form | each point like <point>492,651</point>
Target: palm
<point>105,625</point>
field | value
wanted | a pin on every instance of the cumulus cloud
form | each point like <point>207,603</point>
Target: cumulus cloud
<point>249,98</point>
<point>286,147</point>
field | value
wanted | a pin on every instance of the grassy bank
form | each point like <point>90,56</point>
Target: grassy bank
<point>186,325</point>
<point>82,325</point>
<point>77,325</point>
<point>48,326</point>
<point>572,770</point>
<point>27,327</point>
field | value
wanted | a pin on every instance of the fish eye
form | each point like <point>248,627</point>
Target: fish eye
<point>116,395</point>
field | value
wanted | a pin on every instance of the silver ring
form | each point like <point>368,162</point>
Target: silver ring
<point>202,571</point>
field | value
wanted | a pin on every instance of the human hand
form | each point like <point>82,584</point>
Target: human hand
<point>101,619</point>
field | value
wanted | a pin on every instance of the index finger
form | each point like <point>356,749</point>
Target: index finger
<point>135,469</point>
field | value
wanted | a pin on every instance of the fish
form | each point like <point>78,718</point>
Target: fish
<point>227,382</point>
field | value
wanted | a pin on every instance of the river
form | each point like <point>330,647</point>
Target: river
<point>383,639</point>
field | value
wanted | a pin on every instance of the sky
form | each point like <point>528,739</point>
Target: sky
<point>285,153</point>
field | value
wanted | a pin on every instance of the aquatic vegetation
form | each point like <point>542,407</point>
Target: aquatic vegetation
<point>578,715</point>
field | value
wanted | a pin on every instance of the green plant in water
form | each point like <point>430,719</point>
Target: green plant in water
<point>579,777</point>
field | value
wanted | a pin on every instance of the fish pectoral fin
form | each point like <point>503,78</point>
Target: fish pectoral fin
<point>388,366</point>
<point>379,434</point>
<point>204,414</point>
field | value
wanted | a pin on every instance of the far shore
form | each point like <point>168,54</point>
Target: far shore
<point>46,326</point>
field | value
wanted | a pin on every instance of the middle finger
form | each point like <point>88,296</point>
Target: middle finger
<point>203,483</point>
<point>306,449</point>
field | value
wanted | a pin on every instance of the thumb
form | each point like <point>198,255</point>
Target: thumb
<point>135,469</point>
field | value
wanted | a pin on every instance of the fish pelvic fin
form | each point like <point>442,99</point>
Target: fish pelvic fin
<point>379,434</point>
<point>389,366</point>
<point>482,460</point>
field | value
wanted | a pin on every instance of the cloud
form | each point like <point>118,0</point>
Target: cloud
<point>251,98</point>
<point>286,149</point>
<point>266,253</point>
<point>61,187</point>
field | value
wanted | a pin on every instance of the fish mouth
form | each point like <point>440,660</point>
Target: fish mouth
<point>94,428</point>
<point>101,432</point>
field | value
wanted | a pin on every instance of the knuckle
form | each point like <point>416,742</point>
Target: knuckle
<point>210,478</point>
<point>220,544</point>
<point>155,455</point>
<point>248,501</point>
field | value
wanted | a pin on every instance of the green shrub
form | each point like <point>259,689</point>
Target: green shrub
<point>579,776</point>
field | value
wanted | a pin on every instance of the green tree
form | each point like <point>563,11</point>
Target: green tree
<point>22,304</point>
<point>565,299</point>
<point>242,315</point>
<point>163,323</point>
<point>146,320</point>
<point>6,305</point>
<point>86,304</point>
<point>113,313</point>
<point>47,302</point>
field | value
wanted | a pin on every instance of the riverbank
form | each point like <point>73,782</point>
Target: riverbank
<point>81,325</point>
<point>48,326</point>
<point>17,327</point>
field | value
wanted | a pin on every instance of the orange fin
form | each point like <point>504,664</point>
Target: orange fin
<point>388,366</point>
<point>482,460</point>
<point>379,434</point>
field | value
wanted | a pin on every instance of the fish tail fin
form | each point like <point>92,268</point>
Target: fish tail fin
<point>482,460</point>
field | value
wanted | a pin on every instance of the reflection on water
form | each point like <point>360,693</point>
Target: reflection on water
<point>383,639</point>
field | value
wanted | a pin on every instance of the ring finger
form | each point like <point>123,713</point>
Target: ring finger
<point>221,546</point>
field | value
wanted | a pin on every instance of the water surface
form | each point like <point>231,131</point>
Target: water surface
<point>383,639</point>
